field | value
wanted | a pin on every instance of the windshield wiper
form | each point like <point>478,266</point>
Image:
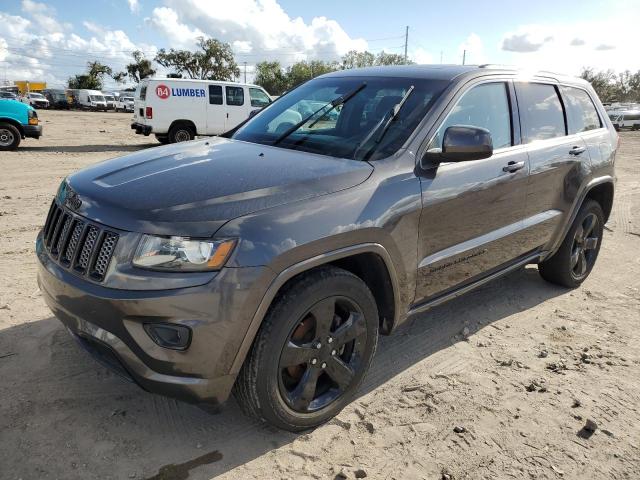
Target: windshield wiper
<point>333,104</point>
<point>391,114</point>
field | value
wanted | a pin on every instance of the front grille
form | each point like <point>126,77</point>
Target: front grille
<point>85,248</point>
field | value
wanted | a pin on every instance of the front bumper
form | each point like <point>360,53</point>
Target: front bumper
<point>109,324</point>
<point>32,131</point>
<point>141,129</point>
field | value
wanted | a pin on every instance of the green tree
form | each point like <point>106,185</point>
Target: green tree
<point>140,68</point>
<point>603,83</point>
<point>384,58</point>
<point>300,72</point>
<point>214,61</point>
<point>271,77</point>
<point>355,59</point>
<point>93,79</point>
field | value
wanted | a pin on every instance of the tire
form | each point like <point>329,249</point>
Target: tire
<point>270,384</point>
<point>163,139</point>
<point>9,137</point>
<point>574,260</point>
<point>181,133</point>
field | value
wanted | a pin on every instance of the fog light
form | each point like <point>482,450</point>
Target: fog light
<point>175,337</point>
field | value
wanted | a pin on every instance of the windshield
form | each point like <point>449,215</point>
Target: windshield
<point>127,99</point>
<point>36,95</point>
<point>96,98</point>
<point>109,98</point>
<point>344,130</point>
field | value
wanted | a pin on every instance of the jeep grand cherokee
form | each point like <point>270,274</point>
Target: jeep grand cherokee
<point>267,261</point>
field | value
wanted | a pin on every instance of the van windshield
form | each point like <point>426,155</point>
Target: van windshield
<point>109,98</point>
<point>354,129</point>
<point>96,98</point>
<point>127,99</point>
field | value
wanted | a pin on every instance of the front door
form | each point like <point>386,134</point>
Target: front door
<point>472,211</point>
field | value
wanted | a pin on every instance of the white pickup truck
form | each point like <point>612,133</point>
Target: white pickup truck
<point>124,104</point>
<point>176,110</point>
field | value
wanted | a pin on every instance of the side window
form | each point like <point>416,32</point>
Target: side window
<point>540,111</point>
<point>258,98</point>
<point>215,94</point>
<point>143,92</point>
<point>485,106</point>
<point>235,96</point>
<point>581,112</point>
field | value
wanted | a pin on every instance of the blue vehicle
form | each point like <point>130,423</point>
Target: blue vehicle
<point>17,121</point>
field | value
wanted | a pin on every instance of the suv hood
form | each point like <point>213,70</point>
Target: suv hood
<point>192,189</point>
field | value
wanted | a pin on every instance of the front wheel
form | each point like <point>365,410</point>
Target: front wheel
<point>574,260</point>
<point>311,352</point>
<point>9,137</point>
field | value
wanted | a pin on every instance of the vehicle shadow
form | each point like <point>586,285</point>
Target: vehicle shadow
<point>64,416</point>
<point>88,148</point>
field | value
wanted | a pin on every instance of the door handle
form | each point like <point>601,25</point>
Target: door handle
<point>576,150</point>
<point>513,167</point>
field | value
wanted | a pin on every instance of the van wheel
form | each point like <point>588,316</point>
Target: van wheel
<point>572,263</point>
<point>181,133</point>
<point>9,137</point>
<point>163,139</point>
<point>311,352</point>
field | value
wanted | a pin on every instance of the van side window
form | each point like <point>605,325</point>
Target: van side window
<point>235,96</point>
<point>541,112</point>
<point>485,106</point>
<point>143,92</point>
<point>581,112</point>
<point>258,98</point>
<point>215,94</point>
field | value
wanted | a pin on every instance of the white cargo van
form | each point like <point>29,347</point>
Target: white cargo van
<point>91,99</point>
<point>625,119</point>
<point>176,110</point>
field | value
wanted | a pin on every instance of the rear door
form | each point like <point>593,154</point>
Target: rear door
<point>237,105</point>
<point>555,157</point>
<point>472,211</point>
<point>216,110</point>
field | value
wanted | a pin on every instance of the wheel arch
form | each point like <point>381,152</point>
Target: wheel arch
<point>370,262</point>
<point>14,123</point>
<point>603,194</point>
<point>183,121</point>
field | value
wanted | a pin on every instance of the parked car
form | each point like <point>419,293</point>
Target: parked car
<point>625,119</point>
<point>267,262</point>
<point>17,121</point>
<point>111,101</point>
<point>91,99</point>
<point>124,104</point>
<point>8,95</point>
<point>176,110</point>
<point>36,100</point>
<point>57,98</point>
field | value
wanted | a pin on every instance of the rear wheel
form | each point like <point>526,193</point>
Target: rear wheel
<point>311,352</point>
<point>9,137</point>
<point>574,260</point>
<point>181,133</point>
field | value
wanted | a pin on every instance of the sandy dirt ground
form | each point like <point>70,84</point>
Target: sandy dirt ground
<point>497,384</point>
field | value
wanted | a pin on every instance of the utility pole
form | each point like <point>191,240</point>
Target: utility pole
<point>406,42</point>
<point>245,72</point>
<point>464,56</point>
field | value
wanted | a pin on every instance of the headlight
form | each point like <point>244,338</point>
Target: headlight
<point>182,254</point>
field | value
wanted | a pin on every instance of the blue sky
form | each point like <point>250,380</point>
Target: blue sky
<point>53,39</point>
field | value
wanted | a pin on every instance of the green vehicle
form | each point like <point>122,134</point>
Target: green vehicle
<point>17,121</point>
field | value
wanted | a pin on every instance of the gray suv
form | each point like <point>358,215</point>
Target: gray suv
<point>267,261</point>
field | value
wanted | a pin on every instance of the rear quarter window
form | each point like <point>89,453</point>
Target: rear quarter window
<point>541,111</point>
<point>143,92</point>
<point>581,112</point>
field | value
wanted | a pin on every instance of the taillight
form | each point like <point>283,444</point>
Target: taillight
<point>148,112</point>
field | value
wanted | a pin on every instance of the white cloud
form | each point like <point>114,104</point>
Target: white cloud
<point>473,50</point>
<point>36,49</point>
<point>554,46</point>
<point>134,6</point>
<point>256,28</point>
<point>421,56</point>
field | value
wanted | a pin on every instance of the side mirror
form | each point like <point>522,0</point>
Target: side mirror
<point>461,143</point>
